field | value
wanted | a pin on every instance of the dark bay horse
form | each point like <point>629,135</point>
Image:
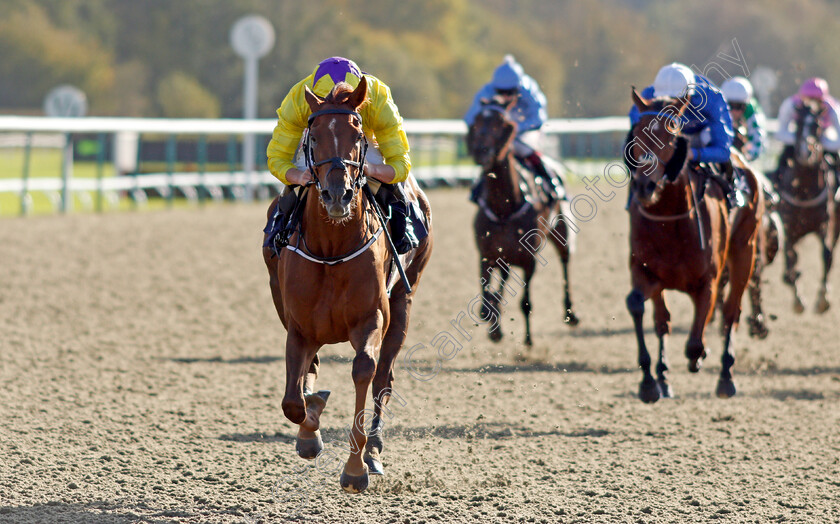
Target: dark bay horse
<point>509,210</point>
<point>769,240</point>
<point>670,248</point>
<point>337,292</point>
<point>807,204</point>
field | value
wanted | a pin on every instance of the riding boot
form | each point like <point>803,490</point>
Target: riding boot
<point>476,190</point>
<point>553,188</point>
<point>832,161</point>
<point>737,185</point>
<point>279,228</point>
<point>393,198</point>
<point>402,230</point>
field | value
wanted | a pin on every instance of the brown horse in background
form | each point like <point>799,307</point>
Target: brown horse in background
<point>323,301</point>
<point>671,249</point>
<point>510,210</point>
<point>770,239</point>
<point>807,204</point>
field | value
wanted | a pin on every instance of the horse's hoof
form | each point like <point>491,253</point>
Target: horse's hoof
<point>798,307</point>
<point>571,319</point>
<point>822,306</point>
<point>496,335</point>
<point>695,365</point>
<point>374,442</point>
<point>665,389</point>
<point>726,388</point>
<point>649,391</point>
<point>373,463</point>
<point>309,448</point>
<point>758,329</point>
<point>324,394</point>
<point>354,484</point>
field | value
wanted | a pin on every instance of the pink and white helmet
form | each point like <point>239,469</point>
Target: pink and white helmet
<point>814,88</point>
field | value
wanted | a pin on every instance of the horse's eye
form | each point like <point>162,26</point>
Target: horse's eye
<point>360,137</point>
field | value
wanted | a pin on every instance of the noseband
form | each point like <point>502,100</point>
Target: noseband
<point>335,162</point>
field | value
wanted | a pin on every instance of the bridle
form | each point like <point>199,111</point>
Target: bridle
<point>335,162</point>
<point>482,131</point>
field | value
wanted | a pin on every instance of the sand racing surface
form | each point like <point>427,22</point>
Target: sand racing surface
<point>143,370</point>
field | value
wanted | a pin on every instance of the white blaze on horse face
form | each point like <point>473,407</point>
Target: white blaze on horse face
<point>331,127</point>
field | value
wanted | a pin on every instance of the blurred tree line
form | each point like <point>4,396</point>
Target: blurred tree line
<point>173,58</point>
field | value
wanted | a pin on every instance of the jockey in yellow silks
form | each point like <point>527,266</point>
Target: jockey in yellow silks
<point>387,161</point>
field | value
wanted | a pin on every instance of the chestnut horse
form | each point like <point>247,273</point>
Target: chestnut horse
<point>671,248</point>
<point>509,210</point>
<point>333,288</point>
<point>807,206</point>
<point>770,239</point>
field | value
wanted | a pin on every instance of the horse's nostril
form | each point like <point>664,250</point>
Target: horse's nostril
<point>326,196</point>
<point>650,186</point>
<point>348,196</point>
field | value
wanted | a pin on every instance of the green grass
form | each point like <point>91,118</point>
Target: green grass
<point>46,163</point>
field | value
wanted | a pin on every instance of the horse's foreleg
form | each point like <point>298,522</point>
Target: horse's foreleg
<point>792,275</point>
<point>300,405</point>
<point>704,300</point>
<point>525,303</point>
<point>366,340</point>
<point>490,305</point>
<point>562,239</point>
<point>648,390</point>
<point>383,380</point>
<point>758,325</point>
<point>662,324</point>
<point>822,304</point>
<point>741,261</point>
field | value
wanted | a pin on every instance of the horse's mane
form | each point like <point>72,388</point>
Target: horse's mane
<point>660,103</point>
<point>340,93</point>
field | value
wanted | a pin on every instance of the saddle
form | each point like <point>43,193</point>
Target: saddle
<point>731,180</point>
<point>535,188</point>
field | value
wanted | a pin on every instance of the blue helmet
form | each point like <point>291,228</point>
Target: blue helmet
<point>508,75</point>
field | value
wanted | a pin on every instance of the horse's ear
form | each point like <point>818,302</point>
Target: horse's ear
<point>681,104</point>
<point>641,104</point>
<point>358,96</point>
<point>312,99</point>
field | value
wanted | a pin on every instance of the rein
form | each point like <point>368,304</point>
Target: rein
<point>662,218</point>
<point>811,202</point>
<point>482,204</point>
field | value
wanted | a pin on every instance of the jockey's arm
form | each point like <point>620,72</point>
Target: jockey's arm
<point>756,133</point>
<point>295,176</point>
<point>382,172</point>
<point>717,150</point>
<point>533,104</point>
<point>786,111</point>
<point>833,117</point>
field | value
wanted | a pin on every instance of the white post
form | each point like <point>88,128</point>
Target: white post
<point>249,112</point>
<point>67,174</point>
<point>66,101</point>
<point>252,37</point>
